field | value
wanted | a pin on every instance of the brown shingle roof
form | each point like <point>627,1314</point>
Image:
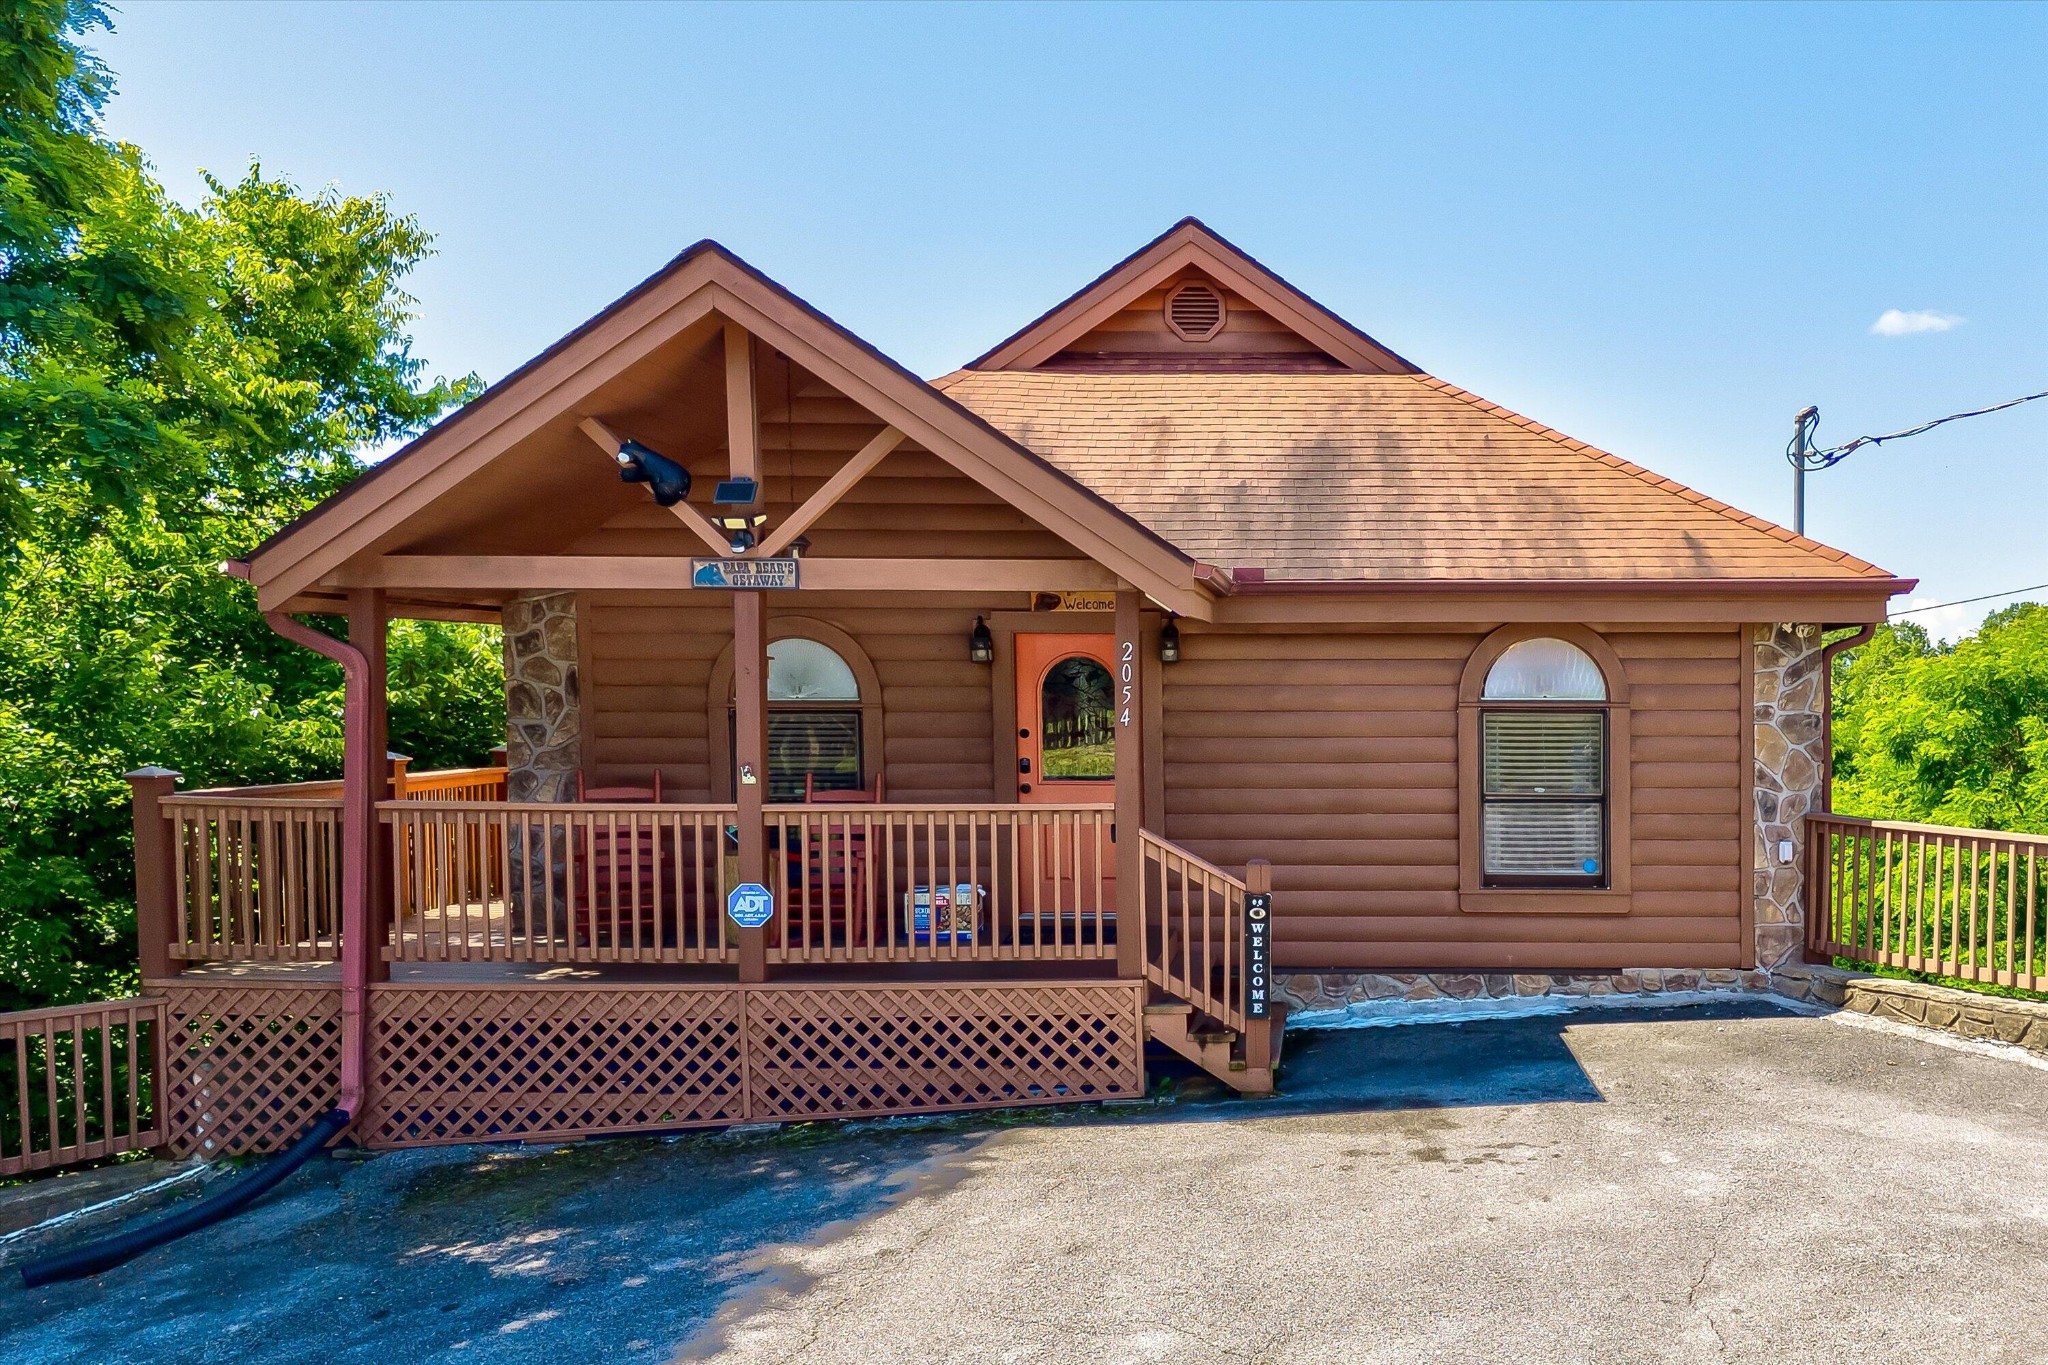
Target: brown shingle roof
<point>1377,477</point>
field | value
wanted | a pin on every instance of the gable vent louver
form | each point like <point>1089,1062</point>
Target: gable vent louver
<point>1195,311</point>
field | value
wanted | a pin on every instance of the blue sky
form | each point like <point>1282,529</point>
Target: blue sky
<point>1663,229</point>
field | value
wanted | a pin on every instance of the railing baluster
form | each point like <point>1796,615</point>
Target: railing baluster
<point>2032,980</point>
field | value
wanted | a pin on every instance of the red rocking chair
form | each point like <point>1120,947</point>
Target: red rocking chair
<point>621,872</point>
<point>827,880</point>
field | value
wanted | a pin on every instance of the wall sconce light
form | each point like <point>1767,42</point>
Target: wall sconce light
<point>981,646</point>
<point>739,530</point>
<point>1169,642</point>
<point>669,481</point>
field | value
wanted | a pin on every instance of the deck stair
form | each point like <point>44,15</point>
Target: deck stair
<point>1193,914</point>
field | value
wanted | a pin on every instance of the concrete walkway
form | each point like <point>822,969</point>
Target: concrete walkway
<point>1716,1183</point>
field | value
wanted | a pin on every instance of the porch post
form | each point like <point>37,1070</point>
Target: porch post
<point>1130,781</point>
<point>750,763</point>
<point>367,614</point>
<point>156,878</point>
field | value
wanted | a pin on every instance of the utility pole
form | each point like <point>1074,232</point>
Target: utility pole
<point>1799,452</point>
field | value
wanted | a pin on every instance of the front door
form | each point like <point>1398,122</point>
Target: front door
<point>1066,754</point>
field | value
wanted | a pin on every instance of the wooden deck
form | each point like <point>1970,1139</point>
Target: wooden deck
<point>553,972</point>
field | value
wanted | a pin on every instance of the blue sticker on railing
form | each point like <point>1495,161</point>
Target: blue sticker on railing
<point>750,905</point>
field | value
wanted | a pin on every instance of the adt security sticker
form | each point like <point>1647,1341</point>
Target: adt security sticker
<point>750,905</point>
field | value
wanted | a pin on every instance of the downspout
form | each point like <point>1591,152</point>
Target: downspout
<point>358,814</point>
<point>358,821</point>
<point>1827,708</point>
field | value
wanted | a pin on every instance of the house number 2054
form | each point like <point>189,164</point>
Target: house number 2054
<point>1127,669</point>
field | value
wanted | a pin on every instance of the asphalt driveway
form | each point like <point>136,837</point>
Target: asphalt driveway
<point>1714,1183</point>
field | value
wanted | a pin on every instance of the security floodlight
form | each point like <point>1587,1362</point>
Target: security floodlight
<point>669,481</point>
<point>739,530</point>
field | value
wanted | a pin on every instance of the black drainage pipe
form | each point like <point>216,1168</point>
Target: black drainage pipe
<point>109,1252</point>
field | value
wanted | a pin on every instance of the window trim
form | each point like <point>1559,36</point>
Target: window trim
<point>1567,898</point>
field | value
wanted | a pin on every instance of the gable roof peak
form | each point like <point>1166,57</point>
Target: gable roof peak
<point>1190,243</point>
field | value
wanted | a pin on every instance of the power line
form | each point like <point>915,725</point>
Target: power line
<point>1807,457</point>
<point>1804,456</point>
<point>1965,601</point>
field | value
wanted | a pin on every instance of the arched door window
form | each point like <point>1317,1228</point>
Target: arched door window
<point>1543,736</point>
<point>814,720</point>
<point>1077,718</point>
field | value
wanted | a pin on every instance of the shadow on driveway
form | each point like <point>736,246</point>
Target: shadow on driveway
<point>624,1250</point>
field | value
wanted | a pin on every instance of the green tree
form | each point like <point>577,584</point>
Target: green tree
<point>1948,734</point>
<point>175,385</point>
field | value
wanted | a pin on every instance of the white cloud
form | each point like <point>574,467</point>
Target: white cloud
<point>1899,322</point>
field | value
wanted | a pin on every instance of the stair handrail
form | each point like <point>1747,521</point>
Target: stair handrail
<point>1211,978</point>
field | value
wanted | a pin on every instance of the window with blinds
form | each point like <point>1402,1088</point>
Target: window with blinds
<point>1543,811</point>
<point>822,743</point>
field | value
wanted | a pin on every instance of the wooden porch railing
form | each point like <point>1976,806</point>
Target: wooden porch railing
<point>924,883</point>
<point>78,1082</point>
<point>486,881</point>
<point>1193,912</point>
<point>450,784</point>
<point>257,870</point>
<point>474,878</point>
<point>1965,903</point>
<point>256,878</point>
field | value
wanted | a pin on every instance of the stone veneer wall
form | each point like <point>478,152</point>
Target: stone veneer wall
<point>1371,993</point>
<point>543,695</point>
<point>1790,783</point>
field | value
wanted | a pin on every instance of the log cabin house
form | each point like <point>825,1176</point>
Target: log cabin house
<point>1020,694</point>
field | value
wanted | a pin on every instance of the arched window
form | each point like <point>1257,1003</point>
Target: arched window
<point>1544,669</point>
<point>1544,768</point>
<point>815,724</point>
<point>1543,764</point>
<point>801,670</point>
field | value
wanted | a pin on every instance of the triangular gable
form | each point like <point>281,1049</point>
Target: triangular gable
<point>1190,246</point>
<point>706,280</point>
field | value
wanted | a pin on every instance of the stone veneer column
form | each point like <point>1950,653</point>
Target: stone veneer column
<point>1791,773</point>
<point>543,713</point>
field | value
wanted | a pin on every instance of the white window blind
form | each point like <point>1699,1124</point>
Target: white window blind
<point>1543,810</point>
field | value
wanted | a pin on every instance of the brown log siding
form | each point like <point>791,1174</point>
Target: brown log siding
<point>650,666</point>
<point>1335,755</point>
<point>1332,754</point>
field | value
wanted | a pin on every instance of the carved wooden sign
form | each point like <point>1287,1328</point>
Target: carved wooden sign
<point>1073,601</point>
<point>743,573</point>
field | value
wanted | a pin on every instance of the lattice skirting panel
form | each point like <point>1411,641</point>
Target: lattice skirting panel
<point>837,1051</point>
<point>475,1063</point>
<point>247,1067</point>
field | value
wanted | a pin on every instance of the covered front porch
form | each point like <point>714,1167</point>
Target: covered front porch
<point>831,787</point>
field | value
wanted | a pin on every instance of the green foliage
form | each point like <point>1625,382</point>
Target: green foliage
<point>176,384</point>
<point>1947,734</point>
